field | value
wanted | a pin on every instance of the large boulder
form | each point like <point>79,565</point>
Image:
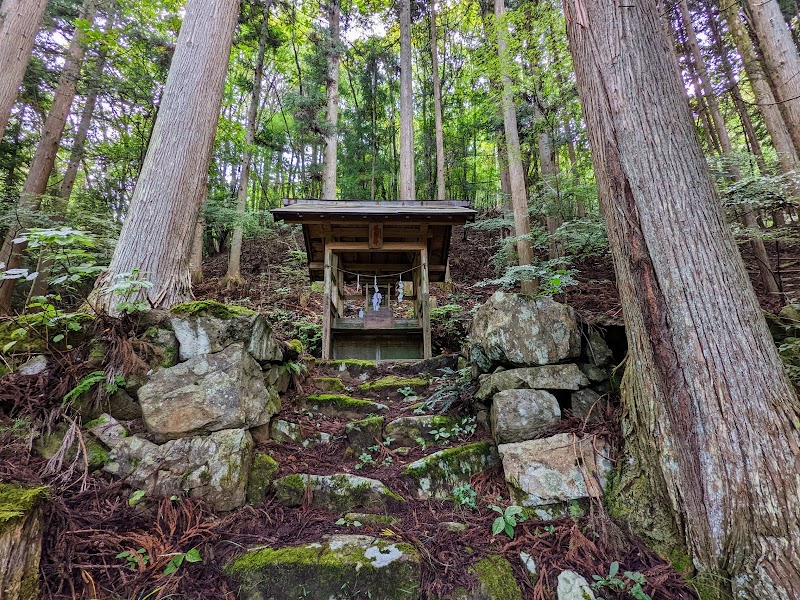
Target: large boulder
<point>549,377</point>
<point>519,331</point>
<point>208,393</point>
<point>213,468</point>
<point>557,469</point>
<point>519,415</point>
<point>209,327</point>
<point>344,567</point>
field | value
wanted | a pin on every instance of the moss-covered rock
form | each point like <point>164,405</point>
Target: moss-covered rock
<point>495,579</point>
<point>393,381</point>
<point>363,433</point>
<point>348,567</point>
<point>210,308</point>
<point>410,431</point>
<point>370,519</point>
<point>337,405</point>
<point>288,432</point>
<point>353,367</point>
<point>338,494</point>
<point>329,384</point>
<point>21,531</point>
<point>437,474</point>
<point>50,443</point>
<point>165,346</point>
<point>263,470</point>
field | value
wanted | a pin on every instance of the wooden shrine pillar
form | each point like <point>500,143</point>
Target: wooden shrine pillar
<point>327,317</point>
<point>427,350</point>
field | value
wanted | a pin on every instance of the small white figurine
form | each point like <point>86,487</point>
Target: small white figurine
<point>376,301</point>
<point>360,313</point>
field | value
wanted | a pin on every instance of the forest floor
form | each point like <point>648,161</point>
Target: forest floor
<point>89,520</point>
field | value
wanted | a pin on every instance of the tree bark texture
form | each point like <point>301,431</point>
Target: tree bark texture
<point>158,233</point>
<point>780,58</point>
<point>519,194</point>
<point>773,119</point>
<point>44,159</point>
<point>437,105</point>
<point>709,411</point>
<point>407,186</point>
<point>234,274</point>
<point>19,24</point>
<point>332,112</point>
<point>20,553</point>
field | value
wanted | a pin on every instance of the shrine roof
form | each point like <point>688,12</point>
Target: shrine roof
<point>331,211</point>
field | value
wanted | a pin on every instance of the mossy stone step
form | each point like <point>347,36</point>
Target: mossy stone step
<point>339,494</point>
<point>347,407</point>
<point>410,431</point>
<point>393,382</point>
<point>363,433</point>
<point>351,567</point>
<point>286,431</point>
<point>437,474</point>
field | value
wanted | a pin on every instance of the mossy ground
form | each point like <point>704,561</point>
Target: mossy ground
<point>210,308</point>
<point>393,381</point>
<point>329,384</point>
<point>496,579</point>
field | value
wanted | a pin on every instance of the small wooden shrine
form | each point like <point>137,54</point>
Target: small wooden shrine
<point>376,260</point>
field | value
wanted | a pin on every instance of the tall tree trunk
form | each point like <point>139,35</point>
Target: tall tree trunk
<point>437,104</point>
<point>407,185</point>
<point>332,112</point>
<point>519,195</point>
<point>19,24</point>
<point>710,416</point>
<point>39,287</point>
<point>234,274</point>
<point>773,119</point>
<point>157,235</point>
<point>45,158</point>
<point>780,58</point>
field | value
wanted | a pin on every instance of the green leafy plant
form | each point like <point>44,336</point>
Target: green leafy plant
<point>509,518</point>
<point>349,522</point>
<point>613,581</point>
<point>465,496</point>
<point>365,459</point>
<point>408,393</point>
<point>135,497</point>
<point>192,556</point>
<point>129,286</point>
<point>135,559</point>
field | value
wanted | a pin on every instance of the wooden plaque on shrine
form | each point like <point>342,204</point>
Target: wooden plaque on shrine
<point>375,235</point>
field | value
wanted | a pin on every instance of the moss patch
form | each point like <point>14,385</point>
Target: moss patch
<point>351,362</point>
<point>393,381</point>
<point>496,579</point>
<point>329,384</point>
<point>210,308</point>
<point>344,567</point>
<point>16,501</point>
<point>262,473</point>
<point>437,474</point>
<point>295,346</point>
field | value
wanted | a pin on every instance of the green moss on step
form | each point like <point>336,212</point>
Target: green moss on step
<point>351,362</point>
<point>371,519</point>
<point>436,474</point>
<point>342,402</point>
<point>393,381</point>
<point>329,384</point>
<point>210,308</point>
<point>295,484</point>
<point>496,578</point>
<point>295,346</point>
<point>262,473</point>
<point>16,501</point>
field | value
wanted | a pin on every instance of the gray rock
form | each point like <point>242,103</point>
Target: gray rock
<point>121,406</point>
<point>416,431</point>
<point>551,470</point>
<point>529,564</point>
<point>596,352</point>
<point>339,568</point>
<point>363,433</point>
<point>338,494</point>
<point>514,330</point>
<point>519,415</point>
<point>199,335</point>
<point>437,474</point>
<point>549,377</point>
<point>572,586</point>
<point>34,366</point>
<point>584,404</point>
<point>213,468</point>
<point>286,431</point>
<point>166,345</point>
<point>108,430</point>
<point>208,393</point>
<point>593,373</point>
